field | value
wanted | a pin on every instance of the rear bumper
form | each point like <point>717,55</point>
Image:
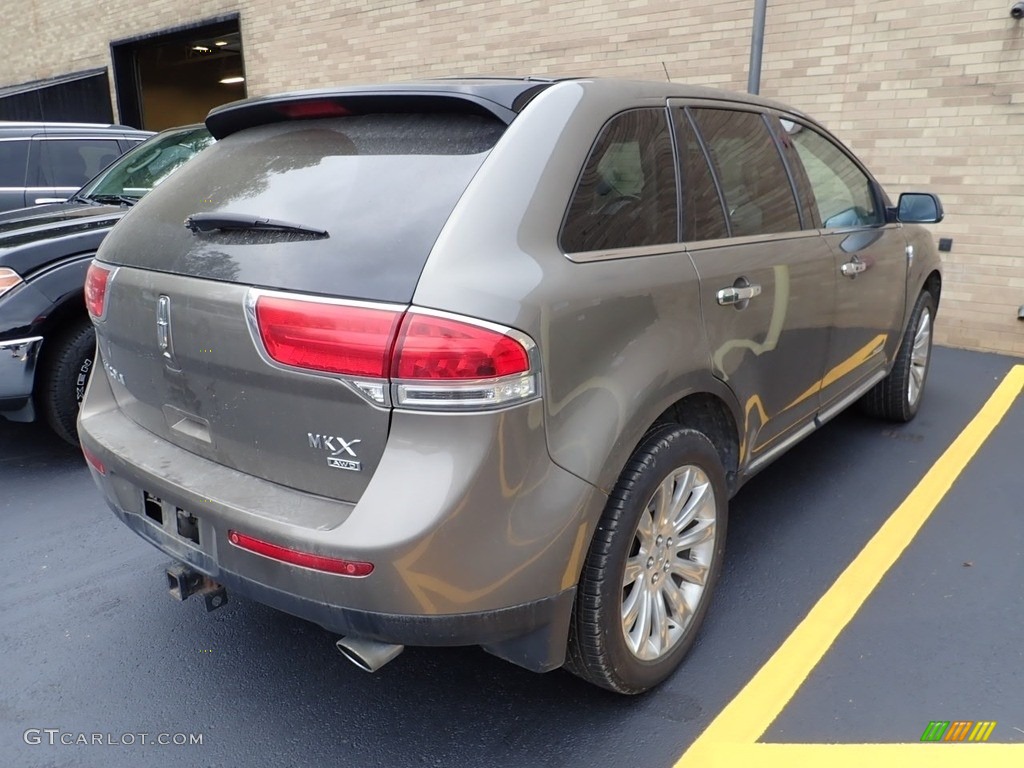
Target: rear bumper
<point>481,544</point>
<point>530,634</point>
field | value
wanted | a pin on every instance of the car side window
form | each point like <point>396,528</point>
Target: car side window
<point>626,195</point>
<point>72,162</point>
<point>843,194</point>
<point>13,162</point>
<point>703,213</point>
<point>754,182</point>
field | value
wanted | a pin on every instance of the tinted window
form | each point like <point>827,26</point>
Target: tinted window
<point>842,193</point>
<point>626,195</point>
<point>72,162</point>
<point>13,159</point>
<point>382,185</point>
<point>750,170</point>
<point>703,215</point>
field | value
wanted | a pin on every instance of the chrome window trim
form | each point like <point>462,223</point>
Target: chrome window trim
<point>608,254</point>
<point>727,242</point>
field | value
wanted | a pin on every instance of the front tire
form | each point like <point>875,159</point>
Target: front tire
<point>652,565</point>
<point>898,396</point>
<point>66,367</point>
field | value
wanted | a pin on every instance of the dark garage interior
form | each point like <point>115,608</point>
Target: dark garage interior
<point>175,77</point>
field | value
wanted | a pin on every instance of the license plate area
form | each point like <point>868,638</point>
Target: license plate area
<point>171,518</point>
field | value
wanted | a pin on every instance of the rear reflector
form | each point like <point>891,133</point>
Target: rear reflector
<point>94,461</point>
<point>96,289</point>
<point>431,348</point>
<point>327,337</point>
<point>295,557</point>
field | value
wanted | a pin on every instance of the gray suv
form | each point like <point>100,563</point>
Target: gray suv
<point>481,362</point>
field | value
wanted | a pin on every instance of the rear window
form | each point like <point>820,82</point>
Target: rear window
<point>13,159</point>
<point>381,185</point>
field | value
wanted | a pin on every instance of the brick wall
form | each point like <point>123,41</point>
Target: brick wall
<point>930,96</point>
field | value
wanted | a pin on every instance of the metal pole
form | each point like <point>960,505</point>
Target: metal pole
<point>756,47</point>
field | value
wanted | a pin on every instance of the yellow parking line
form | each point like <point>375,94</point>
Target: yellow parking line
<point>731,739</point>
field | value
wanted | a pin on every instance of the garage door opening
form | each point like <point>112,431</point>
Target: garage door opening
<point>176,76</point>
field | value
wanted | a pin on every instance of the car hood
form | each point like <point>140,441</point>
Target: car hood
<point>33,238</point>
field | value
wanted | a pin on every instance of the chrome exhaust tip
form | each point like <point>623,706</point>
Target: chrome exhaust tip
<point>368,655</point>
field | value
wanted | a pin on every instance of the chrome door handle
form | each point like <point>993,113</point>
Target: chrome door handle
<point>735,295</point>
<point>853,268</point>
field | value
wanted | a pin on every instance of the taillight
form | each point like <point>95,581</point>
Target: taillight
<point>432,348</point>
<point>443,363</point>
<point>298,557</point>
<point>96,289</point>
<point>430,359</point>
<point>321,336</point>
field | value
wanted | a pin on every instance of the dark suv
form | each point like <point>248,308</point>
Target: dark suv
<point>46,339</point>
<point>482,361</point>
<point>47,162</point>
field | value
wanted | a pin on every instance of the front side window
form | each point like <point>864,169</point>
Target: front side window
<point>626,195</point>
<point>754,182</point>
<point>842,192</point>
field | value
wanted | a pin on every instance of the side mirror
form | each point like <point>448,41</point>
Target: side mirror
<point>919,208</point>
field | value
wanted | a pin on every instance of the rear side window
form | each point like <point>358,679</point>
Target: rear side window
<point>13,161</point>
<point>626,195</point>
<point>754,181</point>
<point>842,192</point>
<point>72,162</point>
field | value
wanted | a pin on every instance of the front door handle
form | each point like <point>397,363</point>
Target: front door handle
<point>737,294</point>
<point>853,268</point>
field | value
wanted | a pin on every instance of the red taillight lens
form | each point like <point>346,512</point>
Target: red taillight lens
<point>94,461</point>
<point>295,557</point>
<point>431,348</point>
<point>96,289</point>
<point>327,337</point>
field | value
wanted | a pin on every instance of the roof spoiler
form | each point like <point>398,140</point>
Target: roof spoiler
<point>230,118</point>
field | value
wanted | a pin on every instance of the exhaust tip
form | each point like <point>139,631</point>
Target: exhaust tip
<point>368,655</point>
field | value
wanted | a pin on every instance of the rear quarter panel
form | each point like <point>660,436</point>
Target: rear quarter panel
<point>620,339</point>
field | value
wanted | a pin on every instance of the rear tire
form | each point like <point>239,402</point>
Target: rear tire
<point>66,366</point>
<point>898,396</point>
<point>652,565</point>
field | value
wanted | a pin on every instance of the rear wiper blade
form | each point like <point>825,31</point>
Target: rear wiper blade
<point>123,199</point>
<point>208,222</point>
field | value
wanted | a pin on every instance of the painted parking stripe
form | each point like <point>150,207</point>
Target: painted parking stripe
<point>731,738</point>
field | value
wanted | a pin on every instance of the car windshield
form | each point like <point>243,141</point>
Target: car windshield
<point>145,166</point>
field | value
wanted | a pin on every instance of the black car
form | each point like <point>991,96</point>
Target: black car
<point>46,162</point>
<point>46,340</point>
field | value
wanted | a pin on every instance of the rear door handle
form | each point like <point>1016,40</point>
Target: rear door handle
<point>737,294</point>
<point>853,268</point>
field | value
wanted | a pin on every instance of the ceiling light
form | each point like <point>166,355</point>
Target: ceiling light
<point>232,80</point>
<point>200,48</point>
<point>219,43</point>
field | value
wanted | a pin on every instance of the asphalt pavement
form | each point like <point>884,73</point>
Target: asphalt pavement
<point>93,646</point>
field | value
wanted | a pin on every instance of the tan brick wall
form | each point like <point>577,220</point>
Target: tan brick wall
<point>931,96</point>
